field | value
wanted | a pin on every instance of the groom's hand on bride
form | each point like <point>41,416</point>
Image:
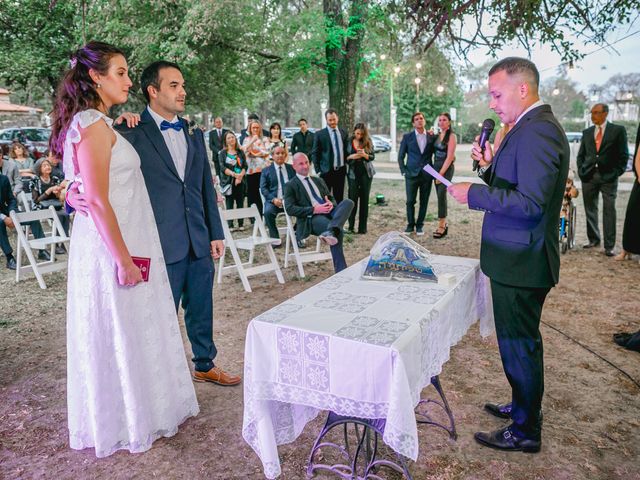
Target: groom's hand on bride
<point>132,119</point>
<point>217,249</point>
<point>77,200</point>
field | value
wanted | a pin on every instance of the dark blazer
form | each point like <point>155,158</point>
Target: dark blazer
<point>8,202</point>
<point>322,150</point>
<point>610,161</point>
<point>302,143</point>
<point>415,160</point>
<point>222,166</point>
<point>186,212</point>
<point>269,181</point>
<point>351,174</point>
<point>522,200</point>
<point>297,203</point>
<point>215,141</point>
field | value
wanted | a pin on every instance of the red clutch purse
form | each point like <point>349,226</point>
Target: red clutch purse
<point>143,264</point>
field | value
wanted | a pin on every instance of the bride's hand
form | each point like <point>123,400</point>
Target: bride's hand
<point>128,274</point>
<point>132,119</point>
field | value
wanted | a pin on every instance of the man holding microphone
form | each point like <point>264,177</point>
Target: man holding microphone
<point>525,180</point>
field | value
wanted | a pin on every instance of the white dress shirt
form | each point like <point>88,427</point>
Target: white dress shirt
<point>422,140</point>
<point>284,175</point>
<point>176,143</point>
<point>337,155</point>
<point>595,130</point>
<point>306,184</point>
<point>531,107</point>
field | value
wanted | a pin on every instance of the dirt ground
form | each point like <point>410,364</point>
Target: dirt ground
<point>591,410</point>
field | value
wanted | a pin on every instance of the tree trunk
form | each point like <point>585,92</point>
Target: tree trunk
<point>343,53</point>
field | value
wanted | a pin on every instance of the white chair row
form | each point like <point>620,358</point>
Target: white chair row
<point>259,238</point>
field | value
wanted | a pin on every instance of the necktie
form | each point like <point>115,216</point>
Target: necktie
<point>164,125</point>
<point>598,138</point>
<point>313,192</point>
<point>282,182</point>
<point>338,161</point>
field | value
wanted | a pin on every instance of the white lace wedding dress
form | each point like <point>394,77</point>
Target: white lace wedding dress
<point>128,379</point>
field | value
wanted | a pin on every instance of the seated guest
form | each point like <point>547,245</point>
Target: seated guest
<point>308,199</point>
<point>7,204</point>
<point>272,183</point>
<point>232,167</point>
<point>19,154</point>
<point>45,191</point>
<point>303,140</point>
<point>56,167</point>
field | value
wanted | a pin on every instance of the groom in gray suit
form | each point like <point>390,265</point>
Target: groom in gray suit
<point>176,171</point>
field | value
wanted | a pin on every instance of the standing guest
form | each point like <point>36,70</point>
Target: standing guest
<point>10,169</point>
<point>328,154</point>
<point>302,140</point>
<point>232,166</point>
<point>19,154</point>
<point>308,199</point>
<point>444,156</point>
<point>128,381</point>
<point>275,139</point>
<point>175,167</point>
<point>244,133</point>
<point>45,191</point>
<point>601,159</point>
<point>417,146</point>
<point>272,183</point>
<point>631,231</point>
<point>216,137</point>
<point>7,204</point>
<point>360,172</point>
<point>257,155</point>
<point>522,199</point>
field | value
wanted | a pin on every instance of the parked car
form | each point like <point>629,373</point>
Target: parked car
<point>35,139</point>
<point>381,143</point>
<point>574,137</point>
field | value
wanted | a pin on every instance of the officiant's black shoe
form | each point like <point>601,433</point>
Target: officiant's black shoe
<point>506,439</point>
<point>621,338</point>
<point>591,245</point>
<point>500,410</point>
<point>609,253</point>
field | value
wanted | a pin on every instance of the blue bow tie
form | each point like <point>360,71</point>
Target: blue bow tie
<point>164,125</point>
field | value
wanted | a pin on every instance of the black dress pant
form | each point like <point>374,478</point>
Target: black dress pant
<point>441,189</point>
<point>334,179</point>
<point>517,312</point>
<point>5,246</point>
<point>253,191</point>
<point>235,199</point>
<point>359,189</point>
<point>422,184</point>
<point>590,193</point>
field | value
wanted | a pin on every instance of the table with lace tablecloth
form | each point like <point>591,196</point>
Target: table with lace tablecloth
<point>359,348</point>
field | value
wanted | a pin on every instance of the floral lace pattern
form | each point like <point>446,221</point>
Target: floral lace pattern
<point>128,381</point>
<point>357,348</point>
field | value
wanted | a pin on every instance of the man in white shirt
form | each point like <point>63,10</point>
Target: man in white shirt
<point>308,199</point>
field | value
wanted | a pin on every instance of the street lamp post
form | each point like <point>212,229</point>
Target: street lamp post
<point>417,80</point>
<point>323,108</point>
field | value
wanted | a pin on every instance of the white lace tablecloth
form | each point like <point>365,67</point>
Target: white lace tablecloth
<point>359,348</point>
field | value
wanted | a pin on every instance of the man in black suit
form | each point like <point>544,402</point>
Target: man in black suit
<point>519,253</point>
<point>302,141</point>
<point>216,139</point>
<point>308,199</point>
<point>602,158</point>
<point>272,183</point>
<point>417,146</point>
<point>7,204</point>
<point>328,154</point>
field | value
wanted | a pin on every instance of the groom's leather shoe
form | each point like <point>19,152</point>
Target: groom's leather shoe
<point>505,439</point>
<point>500,410</point>
<point>218,376</point>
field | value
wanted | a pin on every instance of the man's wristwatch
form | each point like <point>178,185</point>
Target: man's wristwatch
<point>481,170</point>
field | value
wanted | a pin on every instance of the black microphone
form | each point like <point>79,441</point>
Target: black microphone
<point>487,129</point>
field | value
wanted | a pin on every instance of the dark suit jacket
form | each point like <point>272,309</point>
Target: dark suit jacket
<point>368,166</point>
<point>610,161</point>
<point>215,142</point>
<point>302,143</point>
<point>297,203</point>
<point>322,150</point>
<point>522,201</point>
<point>415,160</point>
<point>269,181</point>
<point>7,200</point>
<point>186,212</point>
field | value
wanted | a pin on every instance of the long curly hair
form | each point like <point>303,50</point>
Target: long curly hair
<point>77,91</point>
<point>366,142</point>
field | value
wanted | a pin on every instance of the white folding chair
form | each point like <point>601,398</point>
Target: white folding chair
<point>259,237</point>
<point>24,201</point>
<point>292,251</point>
<point>27,245</point>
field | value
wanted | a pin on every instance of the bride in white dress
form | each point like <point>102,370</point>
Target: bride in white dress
<point>128,382</point>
